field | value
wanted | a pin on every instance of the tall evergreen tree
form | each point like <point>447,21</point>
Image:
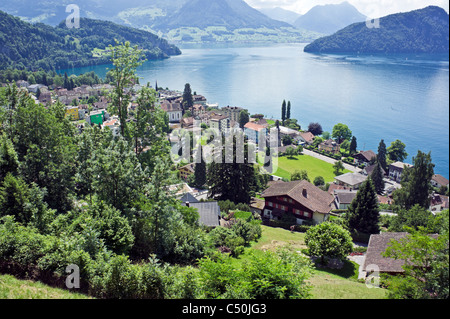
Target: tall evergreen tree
<point>232,181</point>
<point>283,112</point>
<point>353,145</point>
<point>382,155</point>
<point>416,183</point>
<point>188,100</point>
<point>288,111</point>
<point>200,170</point>
<point>377,178</point>
<point>363,211</point>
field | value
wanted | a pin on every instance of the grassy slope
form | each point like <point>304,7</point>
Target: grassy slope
<point>315,167</point>
<point>12,288</point>
<point>327,283</point>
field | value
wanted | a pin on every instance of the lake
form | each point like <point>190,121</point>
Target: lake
<point>391,97</point>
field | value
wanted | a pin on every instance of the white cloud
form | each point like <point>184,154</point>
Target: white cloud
<point>371,8</point>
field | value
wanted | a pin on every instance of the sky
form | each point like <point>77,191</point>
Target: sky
<point>370,8</point>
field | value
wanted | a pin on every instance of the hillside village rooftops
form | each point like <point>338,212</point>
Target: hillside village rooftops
<point>441,180</point>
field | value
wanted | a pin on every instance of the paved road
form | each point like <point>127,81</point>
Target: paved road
<point>330,160</point>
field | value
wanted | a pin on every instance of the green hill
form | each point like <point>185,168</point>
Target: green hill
<point>34,46</point>
<point>419,31</point>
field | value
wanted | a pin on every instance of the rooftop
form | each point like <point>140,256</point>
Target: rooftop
<point>304,193</point>
<point>351,179</point>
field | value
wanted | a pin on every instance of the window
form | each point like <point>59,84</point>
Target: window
<point>270,204</point>
<point>308,215</point>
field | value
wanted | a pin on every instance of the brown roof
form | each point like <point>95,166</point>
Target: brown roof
<point>367,155</point>
<point>377,246</point>
<point>441,180</point>
<point>171,107</point>
<point>307,136</point>
<point>316,199</point>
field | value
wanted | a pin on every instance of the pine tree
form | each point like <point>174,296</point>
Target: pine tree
<point>200,170</point>
<point>363,211</point>
<point>377,178</point>
<point>188,101</point>
<point>382,154</point>
<point>283,112</point>
<point>288,111</point>
<point>353,145</point>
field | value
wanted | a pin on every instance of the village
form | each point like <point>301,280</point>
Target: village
<point>310,203</point>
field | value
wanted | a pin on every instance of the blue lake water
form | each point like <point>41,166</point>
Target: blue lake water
<point>391,97</point>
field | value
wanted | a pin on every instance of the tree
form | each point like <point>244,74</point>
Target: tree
<point>290,152</point>
<point>126,60</point>
<point>382,153</point>
<point>416,183</point>
<point>326,135</point>
<point>200,170</point>
<point>232,181</point>
<point>9,162</point>
<point>353,145</point>
<point>328,240</point>
<point>244,118</point>
<point>283,112</point>
<point>188,100</point>
<point>377,178</point>
<point>287,140</point>
<point>315,129</point>
<point>363,212</point>
<point>338,168</point>
<point>288,110</point>
<point>341,132</point>
<point>413,218</point>
<point>426,261</point>
<point>14,198</point>
<point>396,152</point>
<point>301,175</point>
<point>319,181</point>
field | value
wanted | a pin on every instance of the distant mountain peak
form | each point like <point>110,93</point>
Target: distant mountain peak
<point>329,18</point>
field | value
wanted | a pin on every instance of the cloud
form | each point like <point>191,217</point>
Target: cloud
<point>370,8</point>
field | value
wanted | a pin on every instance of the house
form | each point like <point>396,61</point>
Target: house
<point>364,157</point>
<point>220,123</point>
<point>396,170</point>
<point>72,112</point>
<point>438,203</point>
<point>254,131</point>
<point>306,138</point>
<point>209,212</point>
<point>377,246</point>
<point>96,117</point>
<point>343,198</point>
<point>45,98</point>
<point>101,105</point>
<point>174,110</point>
<point>439,181</point>
<point>114,125</point>
<point>350,180</point>
<point>257,206</point>
<point>198,109</point>
<point>34,87</point>
<point>232,112</point>
<point>187,171</point>
<point>286,131</point>
<point>199,99</point>
<point>330,146</point>
<point>305,201</point>
<point>368,170</point>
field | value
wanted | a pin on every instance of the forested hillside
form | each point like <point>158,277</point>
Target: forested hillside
<point>419,31</point>
<point>36,46</point>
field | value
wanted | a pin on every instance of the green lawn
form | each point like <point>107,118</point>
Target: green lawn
<point>12,288</point>
<point>315,167</point>
<point>326,283</point>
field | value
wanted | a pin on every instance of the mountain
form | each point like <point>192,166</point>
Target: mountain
<point>26,45</point>
<point>420,31</point>
<point>175,20</point>
<point>232,14</point>
<point>327,19</point>
<point>281,14</point>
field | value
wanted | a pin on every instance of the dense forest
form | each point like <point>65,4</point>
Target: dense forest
<point>39,46</point>
<point>419,31</point>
